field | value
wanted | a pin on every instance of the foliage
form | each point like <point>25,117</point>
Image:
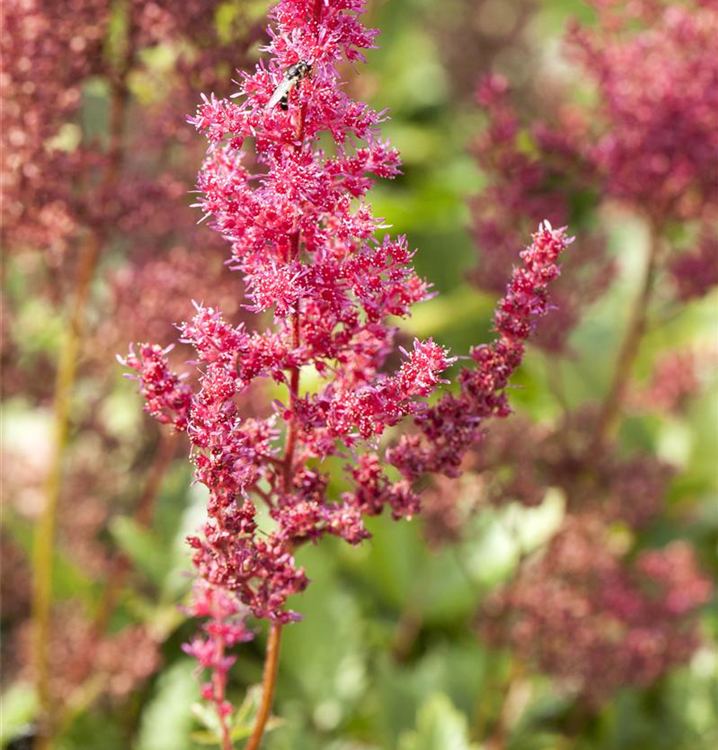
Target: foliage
<point>398,646</point>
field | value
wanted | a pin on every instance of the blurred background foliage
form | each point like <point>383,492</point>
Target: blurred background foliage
<point>387,656</point>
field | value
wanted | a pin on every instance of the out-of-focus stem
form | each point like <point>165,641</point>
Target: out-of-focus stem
<point>609,415</point>
<point>44,541</point>
<point>502,730</point>
<point>45,530</point>
<point>142,516</point>
<point>121,566</point>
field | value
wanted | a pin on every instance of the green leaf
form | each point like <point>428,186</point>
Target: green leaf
<point>18,706</point>
<point>438,725</point>
<point>69,580</point>
<point>325,659</point>
<point>241,721</point>
<point>142,547</point>
<point>167,718</point>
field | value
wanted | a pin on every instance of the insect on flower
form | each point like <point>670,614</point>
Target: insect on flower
<point>293,75</point>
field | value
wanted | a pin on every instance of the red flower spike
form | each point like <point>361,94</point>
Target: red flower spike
<point>303,239</point>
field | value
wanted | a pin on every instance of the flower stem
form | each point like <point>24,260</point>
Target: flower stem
<point>269,681</point>
<point>121,565</point>
<point>219,689</point>
<point>44,540</point>
<point>610,412</point>
<point>271,661</point>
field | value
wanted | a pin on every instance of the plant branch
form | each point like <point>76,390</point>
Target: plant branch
<point>44,541</point>
<point>219,690</point>
<point>121,565</point>
<point>271,663</point>
<point>269,681</point>
<point>611,408</point>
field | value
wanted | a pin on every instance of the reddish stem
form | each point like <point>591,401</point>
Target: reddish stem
<point>269,681</point>
<point>271,664</point>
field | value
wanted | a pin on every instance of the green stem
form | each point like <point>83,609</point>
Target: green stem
<point>44,541</point>
<point>610,412</point>
<point>121,565</point>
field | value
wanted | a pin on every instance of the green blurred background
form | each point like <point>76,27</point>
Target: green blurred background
<point>387,656</point>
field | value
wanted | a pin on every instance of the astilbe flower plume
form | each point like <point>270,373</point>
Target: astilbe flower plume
<point>47,52</point>
<point>641,613</point>
<point>654,128</point>
<point>527,184</point>
<point>93,203</point>
<point>678,376</point>
<point>50,52</point>
<point>642,143</point>
<point>308,255</point>
<point>302,236</point>
<point>646,141</point>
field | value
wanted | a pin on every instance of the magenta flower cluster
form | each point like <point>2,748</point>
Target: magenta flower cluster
<point>454,424</point>
<point>223,629</point>
<point>628,622</point>
<point>286,186</point>
<point>655,127</point>
<point>525,187</point>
